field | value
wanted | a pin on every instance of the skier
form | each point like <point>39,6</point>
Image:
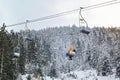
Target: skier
<point>71,53</point>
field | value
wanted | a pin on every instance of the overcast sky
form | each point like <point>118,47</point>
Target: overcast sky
<point>14,11</point>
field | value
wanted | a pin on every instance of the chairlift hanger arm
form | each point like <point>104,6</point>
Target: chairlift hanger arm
<point>80,12</point>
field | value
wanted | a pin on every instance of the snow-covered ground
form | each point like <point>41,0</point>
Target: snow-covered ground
<point>77,75</point>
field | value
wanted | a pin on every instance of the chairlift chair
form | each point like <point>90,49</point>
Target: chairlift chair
<point>28,39</point>
<point>17,54</point>
<point>86,30</point>
<point>71,52</point>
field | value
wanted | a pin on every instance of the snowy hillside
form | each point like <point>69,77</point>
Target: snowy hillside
<point>43,52</point>
<point>94,51</point>
<point>98,50</point>
<point>76,75</point>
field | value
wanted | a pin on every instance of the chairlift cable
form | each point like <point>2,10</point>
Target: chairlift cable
<point>98,6</point>
<point>45,18</point>
<point>103,3</point>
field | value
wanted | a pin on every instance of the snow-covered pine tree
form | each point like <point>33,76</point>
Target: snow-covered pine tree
<point>6,50</point>
<point>53,71</point>
<point>105,68</point>
<point>118,71</point>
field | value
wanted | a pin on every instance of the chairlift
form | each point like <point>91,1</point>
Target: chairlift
<point>85,29</point>
<point>71,52</point>
<point>27,30</point>
<point>16,52</point>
